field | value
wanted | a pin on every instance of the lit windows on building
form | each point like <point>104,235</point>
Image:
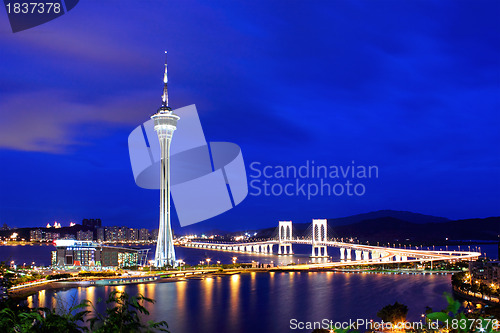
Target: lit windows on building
<point>144,235</point>
<point>85,235</point>
<point>71,253</point>
<point>35,235</point>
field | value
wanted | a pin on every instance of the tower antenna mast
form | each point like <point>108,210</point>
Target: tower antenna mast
<point>164,97</point>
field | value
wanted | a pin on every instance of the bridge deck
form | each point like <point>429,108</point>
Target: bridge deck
<point>384,255</point>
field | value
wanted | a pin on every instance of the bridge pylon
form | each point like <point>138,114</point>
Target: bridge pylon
<point>345,253</point>
<point>284,237</point>
<point>319,227</point>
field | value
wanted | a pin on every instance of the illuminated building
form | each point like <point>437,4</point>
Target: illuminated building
<point>35,235</point>
<point>132,234</point>
<point>71,253</point>
<point>143,234</point>
<point>85,235</point>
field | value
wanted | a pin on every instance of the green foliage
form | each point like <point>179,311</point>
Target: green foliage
<point>103,274</point>
<point>24,319</point>
<point>393,313</point>
<point>123,315</point>
<point>454,314</point>
<point>59,276</point>
<point>10,278</point>
<point>460,281</point>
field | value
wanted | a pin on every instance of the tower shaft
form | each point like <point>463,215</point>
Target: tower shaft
<point>165,124</point>
<point>165,252</point>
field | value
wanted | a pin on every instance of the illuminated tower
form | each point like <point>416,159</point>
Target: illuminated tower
<point>165,124</point>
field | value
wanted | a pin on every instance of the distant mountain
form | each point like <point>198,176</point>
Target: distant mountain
<point>401,215</point>
<point>401,226</point>
<point>389,229</point>
<point>301,227</point>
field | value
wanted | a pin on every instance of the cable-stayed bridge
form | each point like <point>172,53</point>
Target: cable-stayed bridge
<point>350,253</point>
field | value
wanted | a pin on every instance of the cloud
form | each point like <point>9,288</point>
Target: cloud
<point>84,35</point>
<point>45,121</point>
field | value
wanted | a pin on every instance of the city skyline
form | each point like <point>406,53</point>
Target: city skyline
<point>412,91</point>
<point>312,165</point>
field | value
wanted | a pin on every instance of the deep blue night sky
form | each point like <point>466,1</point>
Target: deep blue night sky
<point>409,86</point>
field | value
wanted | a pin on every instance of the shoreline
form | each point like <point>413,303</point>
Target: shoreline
<point>472,298</point>
<point>175,276</point>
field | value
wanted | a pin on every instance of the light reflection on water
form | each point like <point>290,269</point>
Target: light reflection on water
<point>207,294</point>
<point>234,302</point>
<point>265,302</point>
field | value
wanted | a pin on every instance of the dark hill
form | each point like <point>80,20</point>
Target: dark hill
<point>401,215</point>
<point>411,228</point>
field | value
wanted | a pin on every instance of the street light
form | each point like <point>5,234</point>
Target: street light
<point>208,261</point>
<point>234,260</point>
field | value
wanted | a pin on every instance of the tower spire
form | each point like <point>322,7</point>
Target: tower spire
<point>164,97</point>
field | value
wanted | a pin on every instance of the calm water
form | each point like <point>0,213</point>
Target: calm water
<point>265,302</point>
<point>258,302</point>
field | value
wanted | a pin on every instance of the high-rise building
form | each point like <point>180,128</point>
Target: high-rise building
<point>143,235</point>
<point>111,234</point>
<point>154,234</point>
<point>132,234</point>
<point>100,235</point>
<point>165,123</point>
<point>50,236</point>
<point>122,234</point>
<point>84,235</point>
<point>35,235</point>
